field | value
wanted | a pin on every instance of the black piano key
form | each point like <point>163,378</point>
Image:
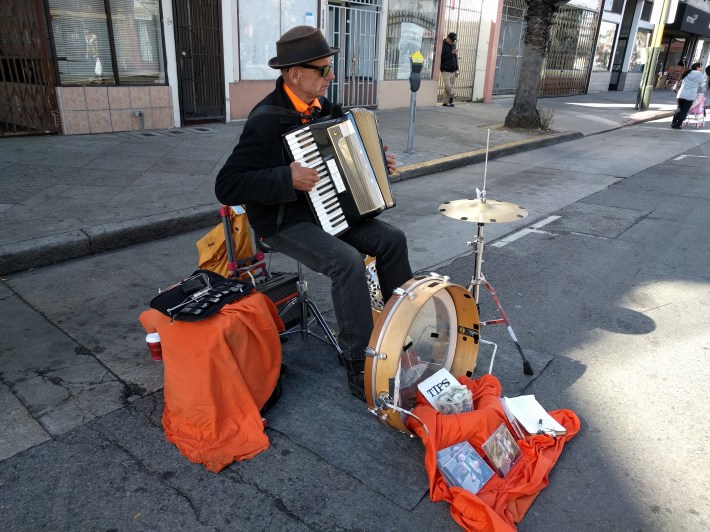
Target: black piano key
<point>325,191</point>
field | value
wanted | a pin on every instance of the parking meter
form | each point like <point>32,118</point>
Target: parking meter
<point>415,80</point>
<point>415,77</point>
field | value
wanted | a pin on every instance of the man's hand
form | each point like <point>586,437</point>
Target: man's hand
<point>303,178</point>
<point>391,161</point>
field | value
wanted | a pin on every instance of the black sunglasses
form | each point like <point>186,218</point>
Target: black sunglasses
<point>324,70</point>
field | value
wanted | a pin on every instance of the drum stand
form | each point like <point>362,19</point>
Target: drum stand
<point>308,309</point>
<point>475,287</point>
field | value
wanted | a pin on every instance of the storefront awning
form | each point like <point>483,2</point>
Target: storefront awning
<point>692,20</point>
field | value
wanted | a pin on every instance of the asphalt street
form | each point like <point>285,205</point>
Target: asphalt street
<point>607,275</point>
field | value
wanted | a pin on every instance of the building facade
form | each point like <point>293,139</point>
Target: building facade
<point>94,66</point>
<point>83,66</point>
<point>625,37</point>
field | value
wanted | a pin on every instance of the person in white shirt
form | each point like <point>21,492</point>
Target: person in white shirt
<point>693,83</point>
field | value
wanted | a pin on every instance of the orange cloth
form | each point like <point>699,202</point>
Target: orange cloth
<point>219,373</point>
<point>501,502</point>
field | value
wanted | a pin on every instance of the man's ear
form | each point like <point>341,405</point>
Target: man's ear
<point>293,74</point>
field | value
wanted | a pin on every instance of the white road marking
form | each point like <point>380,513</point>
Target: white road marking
<point>684,156</point>
<point>544,222</point>
<point>534,228</point>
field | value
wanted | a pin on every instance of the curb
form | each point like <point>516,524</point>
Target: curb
<point>52,249</point>
<point>477,156</point>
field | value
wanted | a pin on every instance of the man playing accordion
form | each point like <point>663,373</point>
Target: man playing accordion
<point>259,174</point>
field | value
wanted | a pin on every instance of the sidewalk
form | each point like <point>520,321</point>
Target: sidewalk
<point>63,197</point>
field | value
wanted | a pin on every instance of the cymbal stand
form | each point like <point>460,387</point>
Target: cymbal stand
<point>475,287</point>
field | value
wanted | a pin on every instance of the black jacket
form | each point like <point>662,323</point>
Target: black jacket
<point>449,62</point>
<point>257,173</point>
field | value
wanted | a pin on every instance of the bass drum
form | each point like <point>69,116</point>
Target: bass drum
<point>427,324</point>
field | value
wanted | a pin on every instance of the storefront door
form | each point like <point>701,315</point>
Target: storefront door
<point>198,41</point>
<point>510,47</point>
<point>354,29</point>
<point>463,17</point>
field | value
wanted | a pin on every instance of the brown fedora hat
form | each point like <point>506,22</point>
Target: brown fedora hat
<point>300,45</point>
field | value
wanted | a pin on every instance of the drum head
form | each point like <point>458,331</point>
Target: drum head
<point>431,324</point>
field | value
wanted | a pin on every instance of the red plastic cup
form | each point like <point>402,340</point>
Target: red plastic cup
<point>156,351</point>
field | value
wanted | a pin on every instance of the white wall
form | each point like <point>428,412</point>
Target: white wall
<point>170,58</point>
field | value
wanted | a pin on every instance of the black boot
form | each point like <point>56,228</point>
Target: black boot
<point>356,377</point>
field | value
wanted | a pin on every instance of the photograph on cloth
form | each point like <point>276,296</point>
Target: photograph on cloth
<point>461,466</point>
<point>502,450</point>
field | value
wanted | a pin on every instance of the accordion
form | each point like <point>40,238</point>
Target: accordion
<point>348,156</point>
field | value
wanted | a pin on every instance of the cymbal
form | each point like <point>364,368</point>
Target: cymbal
<point>484,212</point>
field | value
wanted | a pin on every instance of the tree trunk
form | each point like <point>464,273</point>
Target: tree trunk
<point>524,113</point>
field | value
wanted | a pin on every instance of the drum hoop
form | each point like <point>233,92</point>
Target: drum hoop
<point>390,315</point>
<point>461,301</point>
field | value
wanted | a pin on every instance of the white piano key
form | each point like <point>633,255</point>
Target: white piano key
<point>299,153</point>
<point>335,174</point>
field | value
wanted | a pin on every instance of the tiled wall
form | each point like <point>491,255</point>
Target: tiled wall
<point>105,109</point>
<point>599,82</point>
<point>632,81</point>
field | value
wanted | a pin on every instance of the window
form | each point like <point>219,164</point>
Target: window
<point>261,23</point>
<point>614,6</point>
<point>639,55</point>
<point>138,39</point>
<point>83,47</point>
<point>411,27</point>
<point>605,46</point>
<point>646,10</point>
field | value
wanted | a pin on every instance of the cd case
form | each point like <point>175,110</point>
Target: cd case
<point>461,466</point>
<point>502,450</point>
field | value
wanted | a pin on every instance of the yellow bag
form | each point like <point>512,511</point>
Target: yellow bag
<point>212,248</point>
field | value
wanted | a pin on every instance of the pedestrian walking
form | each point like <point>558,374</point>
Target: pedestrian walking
<point>449,68</point>
<point>693,82</point>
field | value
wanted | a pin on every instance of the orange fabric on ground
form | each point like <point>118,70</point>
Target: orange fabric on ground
<point>501,502</point>
<point>219,373</point>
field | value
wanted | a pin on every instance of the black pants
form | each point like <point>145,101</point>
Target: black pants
<point>681,112</point>
<point>340,258</point>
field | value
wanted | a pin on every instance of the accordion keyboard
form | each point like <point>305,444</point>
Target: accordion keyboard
<point>323,197</point>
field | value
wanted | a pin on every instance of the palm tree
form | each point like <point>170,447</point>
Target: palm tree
<point>524,113</point>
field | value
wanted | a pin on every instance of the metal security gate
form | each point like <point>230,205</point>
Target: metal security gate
<point>28,99</point>
<point>463,17</point>
<point>567,64</point>
<point>354,29</point>
<point>568,61</point>
<point>510,47</point>
<point>198,36</point>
